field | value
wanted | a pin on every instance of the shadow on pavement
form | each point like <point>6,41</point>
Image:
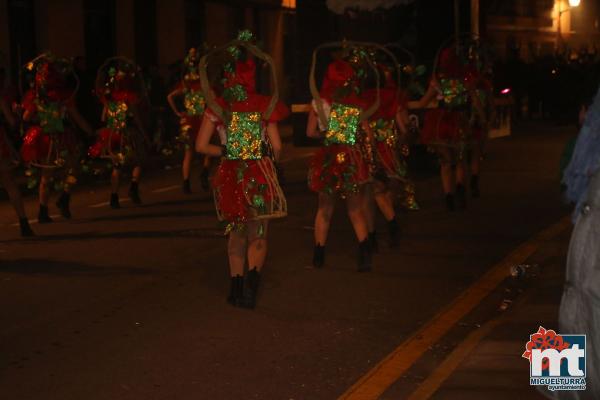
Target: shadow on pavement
<point>41,266</point>
<point>200,233</point>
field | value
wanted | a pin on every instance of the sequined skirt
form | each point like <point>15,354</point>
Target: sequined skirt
<point>50,150</point>
<point>446,127</point>
<point>121,147</point>
<point>389,161</point>
<point>247,190</point>
<point>189,126</point>
<point>338,169</point>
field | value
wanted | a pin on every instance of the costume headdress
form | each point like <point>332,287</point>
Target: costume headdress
<point>460,55</point>
<point>342,77</point>
<point>120,79</point>
<point>52,78</point>
<point>239,78</point>
<point>191,70</point>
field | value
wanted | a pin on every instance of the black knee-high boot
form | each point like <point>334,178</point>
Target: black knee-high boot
<point>251,284</point>
<point>25,228</point>
<point>236,291</point>
<point>319,256</point>
<point>134,193</point>
<point>365,263</point>
<point>43,216</point>
<point>63,204</point>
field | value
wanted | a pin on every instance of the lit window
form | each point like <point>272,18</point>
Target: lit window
<point>288,3</point>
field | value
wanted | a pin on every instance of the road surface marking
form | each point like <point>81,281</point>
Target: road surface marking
<point>433,382</point>
<point>34,220</point>
<point>105,203</point>
<point>390,369</point>
<point>166,189</point>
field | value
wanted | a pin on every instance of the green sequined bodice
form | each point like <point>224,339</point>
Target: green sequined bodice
<point>244,136</point>
<point>194,102</point>
<point>50,115</point>
<point>454,92</point>
<point>343,125</point>
<point>117,113</point>
<point>385,131</point>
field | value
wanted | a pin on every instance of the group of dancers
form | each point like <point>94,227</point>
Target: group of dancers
<point>360,112</point>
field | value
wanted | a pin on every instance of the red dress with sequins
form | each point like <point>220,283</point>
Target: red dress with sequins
<point>385,132</point>
<point>194,105</point>
<point>245,184</point>
<point>47,142</point>
<point>340,166</point>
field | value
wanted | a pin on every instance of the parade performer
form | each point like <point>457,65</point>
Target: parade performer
<point>246,188</point>
<point>446,129</point>
<point>123,140</point>
<point>340,115</point>
<point>8,160</point>
<point>389,127</point>
<point>189,119</point>
<point>51,142</point>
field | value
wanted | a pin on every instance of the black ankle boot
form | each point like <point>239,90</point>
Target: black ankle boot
<point>187,189</point>
<point>204,184</point>
<point>43,217</point>
<point>319,256</point>
<point>449,202</point>
<point>364,256</point>
<point>373,244</point>
<point>393,231</point>
<point>252,283</point>
<point>236,291</point>
<point>461,197</point>
<point>63,204</point>
<point>25,228</point>
<point>114,201</point>
<point>475,186</point>
<point>134,193</point>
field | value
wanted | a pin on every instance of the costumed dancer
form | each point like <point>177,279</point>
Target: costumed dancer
<point>246,189</point>
<point>389,127</point>
<point>51,143</point>
<point>9,159</point>
<point>190,118</point>
<point>123,140</point>
<point>338,168</point>
<point>446,129</point>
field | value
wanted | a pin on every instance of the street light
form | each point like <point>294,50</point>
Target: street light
<point>572,4</point>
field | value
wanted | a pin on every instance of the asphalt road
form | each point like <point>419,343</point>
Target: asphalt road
<point>130,303</point>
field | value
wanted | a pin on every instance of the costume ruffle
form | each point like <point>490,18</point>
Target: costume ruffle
<point>49,149</point>
<point>443,126</point>
<point>338,169</point>
<point>247,190</point>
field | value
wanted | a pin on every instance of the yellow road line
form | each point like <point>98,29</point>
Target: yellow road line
<point>390,369</point>
<point>430,385</point>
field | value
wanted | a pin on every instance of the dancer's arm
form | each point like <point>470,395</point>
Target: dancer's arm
<point>428,97</point>
<point>171,101</point>
<point>402,120</point>
<point>203,144</point>
<point>275,139</point>
<point>312,127</point>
